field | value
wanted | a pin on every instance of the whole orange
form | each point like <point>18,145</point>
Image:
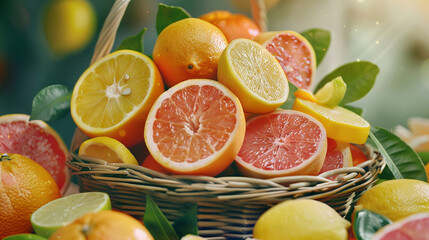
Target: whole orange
<point>104,225</point>
<point>232,25</point>
<point>25,186</point>
<point>188,49</point>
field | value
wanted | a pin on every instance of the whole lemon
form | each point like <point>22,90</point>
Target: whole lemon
<point>69,25</point>
<point>301,219</point>
<point>396,199</point>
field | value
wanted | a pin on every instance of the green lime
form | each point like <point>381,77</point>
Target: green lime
<point>60,212</point>
<point>25,236</point>
<point>331,94</point>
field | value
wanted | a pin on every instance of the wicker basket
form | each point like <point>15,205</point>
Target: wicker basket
<point>228,206</point>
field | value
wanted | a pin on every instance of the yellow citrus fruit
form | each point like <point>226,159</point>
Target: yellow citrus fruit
<point>396,199</point>
<point>69,25</point>
<point>188,49</point>
<point>196,127</point>
<point>103,225</point>
<point>341,124</point>
<point>332,93</point>
<point>254,75</point>
<point>25,186</point>
<point>418,126</point>
<point>114,95</point>
<point>301,219</point>
<point>305,95</point>
<point>108,149</point>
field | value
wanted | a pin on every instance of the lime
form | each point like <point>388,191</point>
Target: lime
<point>60,212</point>
<point>332,93</point>
<point>24,236</point>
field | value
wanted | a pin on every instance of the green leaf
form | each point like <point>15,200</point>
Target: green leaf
<point>424,156</point>
<point>50,103</point>
<point>354,109</point>
<point>134,42</point>
<point>402,161</point>
<point>291,97</point>
<point>367,223</point>
<point>320,40</point>
<point>359,77</point>
<point>156,222</point>
<point>188,223</point>
<point>167,15</point>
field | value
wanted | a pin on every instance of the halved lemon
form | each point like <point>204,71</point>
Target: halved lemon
<point>113,96</point>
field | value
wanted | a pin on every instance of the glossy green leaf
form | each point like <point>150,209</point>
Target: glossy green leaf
<point>167,15</point>
<point>134,42</point>
<point>367,223</point>
<point>359,77</point>
<point>402,161</point>
<point>50,103</point>
<point>354,109</point>
<point>291,97</point>
<point>319,40</point>
<point>188,223</point>
<point>156,222</point>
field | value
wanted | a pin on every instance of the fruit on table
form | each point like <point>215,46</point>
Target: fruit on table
<point>114,95</point>
<point>294,53</point>
<point>254,75</point>
<point>337,156</point>
<point>196,127</point>
<point>341,124</point>
<point>69,25</point>
<point>24,187</point>
<point>108,149</point>
<point>60,212</point>
<point>396,199</point>
<point>332,92</point>
<point>188,49</point>
<point>282,143</point>
<point>414,227</point>
<point>301,219</point>
<point>36,140</point>
<point>103,225</point>
<point>232,25</point>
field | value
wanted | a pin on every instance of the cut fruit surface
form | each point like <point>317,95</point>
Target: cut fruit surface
<point>108,149</point>
<point>282,143</point>
<point>338,156</point>
<point>196,127</point>
<point>294,53</point>
<point>253,75</point>
<point>340,124</point>
<point>305,95</point>
<point>332,93</point>
<point>38,141</point>
<point>60,212</point>
<point>114,95</point>
<point>418,126</point>
<point>414,227</point>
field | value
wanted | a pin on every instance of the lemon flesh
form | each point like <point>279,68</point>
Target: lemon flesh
<point>332,93</point>
<point>108,149</point>
<point>62,211</point>
<point>341,124</point>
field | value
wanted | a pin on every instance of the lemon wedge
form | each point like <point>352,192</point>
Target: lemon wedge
<point>332,93</point>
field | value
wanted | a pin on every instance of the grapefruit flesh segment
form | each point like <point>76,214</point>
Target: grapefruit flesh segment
<point>338,156</point>
<point>37,141</point>
<point>282,143</point>
<point>196,127</point>
<point>414,227</point>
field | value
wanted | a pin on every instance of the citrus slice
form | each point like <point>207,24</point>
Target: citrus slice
<point>294,53</point>
<point>305,94</point>
<point>414,227</point>
<point>254,75</point>
<point>338,156</point>
<point>403,133</point>
<point>108,149</point>
<point>38,141</point>
<point>196,127</point>
<point>332,93</point>
<point>340,124</point>
<point>114,95</point>
<point>60,212</point>
<point>358,155</point>
<point>418,126</point>
<point>420,143</point>
<point>282,143</point>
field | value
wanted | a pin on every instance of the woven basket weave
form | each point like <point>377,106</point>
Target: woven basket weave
<point>228,206</point>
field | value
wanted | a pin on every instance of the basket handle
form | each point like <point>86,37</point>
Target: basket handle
<point>102,48</point>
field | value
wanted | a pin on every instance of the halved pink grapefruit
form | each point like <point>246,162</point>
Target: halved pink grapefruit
<point>338,156</point>
<point>414,227</point>
<point>282,143</point>
<point>38,141</point>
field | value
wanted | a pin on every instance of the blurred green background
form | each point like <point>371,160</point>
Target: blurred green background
<point>393,34</point>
